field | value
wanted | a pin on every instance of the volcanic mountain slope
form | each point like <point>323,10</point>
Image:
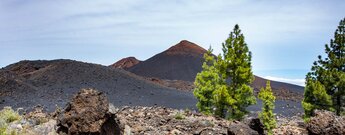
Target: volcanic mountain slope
<point>10,81</point>
<point>280,89</point>
<point>49,83</point>
<point>179,62</point>
<point>125,63</point>
<point>184,60</point>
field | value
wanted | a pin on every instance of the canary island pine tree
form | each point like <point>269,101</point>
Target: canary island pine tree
<point>235,67</point>
<point>206,82</point>
<point>266,116</point>
<point>221,95</point>
<point>315,97</point>
<point>222,87</point>
<point>325,84</point>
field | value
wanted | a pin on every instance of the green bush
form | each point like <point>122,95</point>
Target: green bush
<point>2,130</point>
<point>7,115</point>
<point>205,84</point>
<point>179,116</point>
<point>267,116</point>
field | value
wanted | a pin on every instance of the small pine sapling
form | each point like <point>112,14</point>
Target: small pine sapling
<point>266,116</point>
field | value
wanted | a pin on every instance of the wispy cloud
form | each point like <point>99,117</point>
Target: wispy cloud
<point>300,82</point>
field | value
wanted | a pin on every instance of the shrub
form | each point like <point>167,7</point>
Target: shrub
<point>9,115</point>
<point>179,116</point>
<point>205,84</point>
<point>2,129</point>
<point>267,116</point>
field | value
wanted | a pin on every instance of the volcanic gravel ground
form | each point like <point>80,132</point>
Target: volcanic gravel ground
<point>54,82</point>
<point>27,84</point>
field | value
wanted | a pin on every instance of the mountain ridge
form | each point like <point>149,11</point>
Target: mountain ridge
<point>126,63</point>
<point>175,63</point>
<point>184,60</point>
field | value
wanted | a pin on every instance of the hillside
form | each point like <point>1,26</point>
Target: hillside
<point>179,62</point>
<point>27,84</point>
<point>184,60</point>
<point>49,83</point>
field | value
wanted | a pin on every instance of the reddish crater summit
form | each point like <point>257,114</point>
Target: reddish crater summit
<point>180,62</point>
<point>126,63</point>
<point>185,47</point>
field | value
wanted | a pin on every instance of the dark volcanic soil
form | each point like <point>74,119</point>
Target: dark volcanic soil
<point>49,83</point>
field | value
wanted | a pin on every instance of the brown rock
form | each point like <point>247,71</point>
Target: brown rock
<point>290,130</point>
<point>160,120</point>
<point>326,123</point>
<point>255,124</point>
<point>290,126</point>
<point>87,113</point>
<point>238,128</point>
<point>37,116</point>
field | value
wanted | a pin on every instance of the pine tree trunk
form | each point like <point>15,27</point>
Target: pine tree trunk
<point>220,111</point>
<point>338,105</point>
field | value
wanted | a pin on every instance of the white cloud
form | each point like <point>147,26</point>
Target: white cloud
<point>300,82</point>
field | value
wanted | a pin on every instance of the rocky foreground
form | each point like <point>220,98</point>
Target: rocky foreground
<point>89,112</point>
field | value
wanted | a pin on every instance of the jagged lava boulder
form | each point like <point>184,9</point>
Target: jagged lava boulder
<point>238,128</point>
<point>326,123</point>
<point>255,124</point>
<point>87,113</point>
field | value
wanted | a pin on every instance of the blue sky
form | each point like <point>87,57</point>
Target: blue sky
<point>284,36</point>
